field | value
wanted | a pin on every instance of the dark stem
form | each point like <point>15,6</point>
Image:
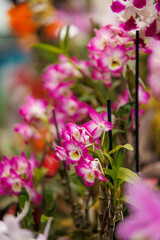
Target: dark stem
<point>110,120</point>
<point>65,181</point>
<point>137,105</point>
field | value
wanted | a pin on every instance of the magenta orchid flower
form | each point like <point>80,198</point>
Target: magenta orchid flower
<point>113,59</point>
<point>26,130</point>
<point>75,151</point>
<point>105,77</point>
<point>142,15</point>
<point>144,219</point>
<point>97,125</point>
<point>89,171</point>
<point>34,108</point>
<point>108,36</point>
<point>16,173</point>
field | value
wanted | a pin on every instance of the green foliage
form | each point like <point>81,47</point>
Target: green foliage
<point>127,175</point>
<point>117,173</point>
<point>28,219</point>
<point>44,47</point>
<point>39,174</point>
<point>126,146</point>
<point>119,159</point>
<point>49,210</point>
<point>125,110</point>
<point>105,146</point>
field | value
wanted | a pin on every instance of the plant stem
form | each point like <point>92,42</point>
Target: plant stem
<point>103,202</point>
<point>86,202</point>
<point>65,181</point>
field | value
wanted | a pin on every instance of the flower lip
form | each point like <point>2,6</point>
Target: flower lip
<point>75,155</point>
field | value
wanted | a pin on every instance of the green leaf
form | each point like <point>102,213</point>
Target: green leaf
<point>100,109</point>
<point>60,42</point>
<point>66,40</point>
<point>119,159</point>
<point>39,174</point>
<point>109,158</point>
<point>23,197</point>
<point>126,146</point>
<point>27,220</point>
<point>49,201</point>
<point>47,48</point>
<point>44,218</point>
<point>109,184</point>
<point>114,131</point>
<point>111,173</point>
<point>106,142</point>
<point>73,174</point>
<point>127,175</point>
<point>99,154</point>
<point>125,110</point>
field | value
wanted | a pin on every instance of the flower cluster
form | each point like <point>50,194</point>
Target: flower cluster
<point>109,52</point>
<point>58,79</point>
<point>74,147</point>
<point>62,99</point>
<point>141,15</point>
<point>16,173</point>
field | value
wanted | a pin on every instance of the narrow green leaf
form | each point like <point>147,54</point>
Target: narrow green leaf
<point>106,142</point>
<point>126,146</point>
<point>109,184</point>
<point>100,109</point>
<point>119,159</point>
<point>112,173</point>
<point>44,218</point>
<point>48,48</point>
<point>60,42</point>
<point>109,158</point>
<point>66,40</point>
<point>99,154</point>
<point>125,110</point>
<point>39,174</point>
<point>127,175</point>
<point>114,131</point>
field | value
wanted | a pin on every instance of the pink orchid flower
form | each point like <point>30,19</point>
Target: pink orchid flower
<point>97,125</point>
<point>144,219</point>
<point>89,171</point>
<point>113,59</point>
<point>75,151</point>
<point>34,108</point>
<point>26,130</point>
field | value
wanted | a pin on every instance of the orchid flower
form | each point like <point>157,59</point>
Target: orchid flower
<point>144,219</point>
<point>10,227</point>
<point>97,125</point>
<point>89,170</point>
<point>34,108</point>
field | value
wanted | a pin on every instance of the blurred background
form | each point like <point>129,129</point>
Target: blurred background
<point>22,26</point>
<point>24,23</point>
